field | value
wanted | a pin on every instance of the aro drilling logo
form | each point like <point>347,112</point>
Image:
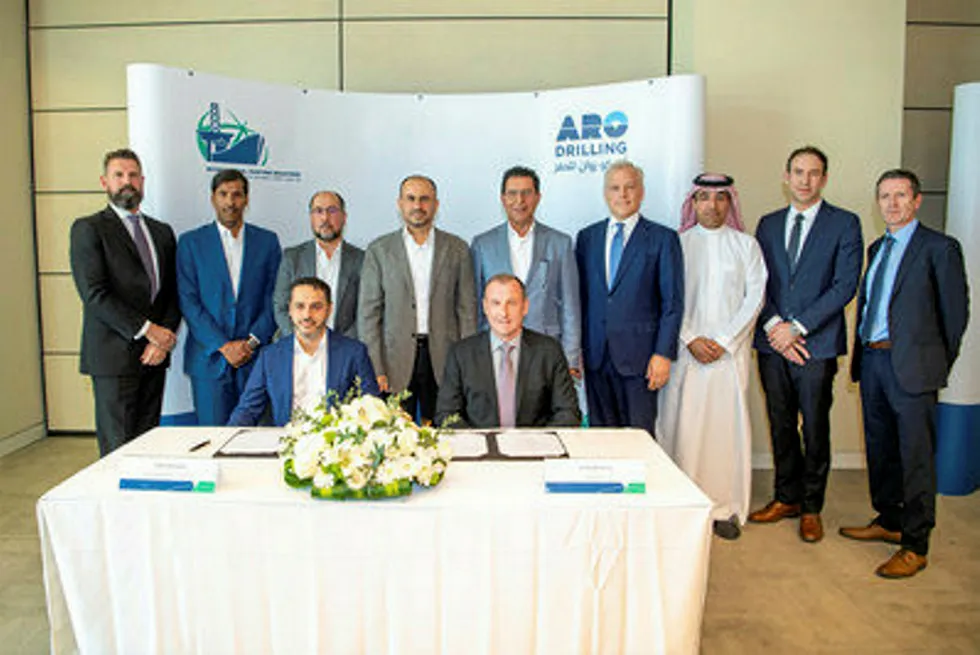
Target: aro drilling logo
<point>229,141</point>
<point>592,136</point>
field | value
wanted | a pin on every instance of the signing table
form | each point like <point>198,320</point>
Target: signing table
<point>485,563</point>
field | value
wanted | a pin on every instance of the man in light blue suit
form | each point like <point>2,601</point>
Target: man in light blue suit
<point>542,258</point>
<point>226,272</point>
<point>299,370</point>
<point>631,274</point>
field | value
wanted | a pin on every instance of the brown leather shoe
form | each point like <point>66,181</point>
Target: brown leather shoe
<point>811,528</point>
<point>872,532</point>
<point>775,511</point>
<point>903,564</point>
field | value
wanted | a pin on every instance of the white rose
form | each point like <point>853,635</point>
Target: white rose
<point>356,478</point>
<point>323,480</point>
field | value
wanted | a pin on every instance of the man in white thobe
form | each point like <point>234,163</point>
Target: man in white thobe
<point>704,416</point>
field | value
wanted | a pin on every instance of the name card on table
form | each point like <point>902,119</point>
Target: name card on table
<point>146,473</point>
<point>593,476</point>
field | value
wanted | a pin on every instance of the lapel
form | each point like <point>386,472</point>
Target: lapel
<point>118,233</point>
<point>343,277</point>
<point>398,253</point>
<point>282,369</point>
<point>911,252</point>
<point>439,258</point>
<point>333,364</point>
<point>537,252</point>
<point>500,251</point>
<point>306,266</point>
<point>523,367</point>
<point>630,252</point>
<point>244,279</point>
<point>212,242</point>
<point>781,258</point>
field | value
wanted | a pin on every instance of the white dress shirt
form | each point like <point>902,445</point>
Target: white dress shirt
<point>521,249</point>
<point>328,270</point>
<point>233,247</point>
<point>420,263</point>
<point>309,375</point>
<point>629,224</point>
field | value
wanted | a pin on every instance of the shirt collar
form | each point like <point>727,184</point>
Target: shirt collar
<point>628,223</point>
<point>904,234</point>
<point>321,347</point>
<point>496,342</point>
<point>224,232</point>
<point>124,213</point>
<point>410,240</point>
<point>513,235</point>
<point>809,213</point>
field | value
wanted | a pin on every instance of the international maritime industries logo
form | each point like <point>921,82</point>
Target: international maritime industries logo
<point>230,141</point>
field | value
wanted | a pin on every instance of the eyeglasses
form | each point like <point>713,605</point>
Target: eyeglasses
<point>514,194</point>
<point>333,210</point>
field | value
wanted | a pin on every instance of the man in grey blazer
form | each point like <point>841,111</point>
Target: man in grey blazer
<point>417,297</point>
<point>542,258</point>
<point>328,257</point>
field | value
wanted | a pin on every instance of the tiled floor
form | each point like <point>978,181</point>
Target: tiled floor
<point>768,592</point>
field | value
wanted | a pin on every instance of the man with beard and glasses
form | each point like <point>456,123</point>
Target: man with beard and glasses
<point>298,371</point>
<point>226,272</point>
<point>123,265</point>
<point>417,297</point>
<point>328,257</point>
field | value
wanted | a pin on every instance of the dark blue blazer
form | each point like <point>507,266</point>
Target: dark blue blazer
<point>212,313</point>
<point>271,380</point>
<point>927,313</point>
<point>640,316</point>
<point>824,282</point>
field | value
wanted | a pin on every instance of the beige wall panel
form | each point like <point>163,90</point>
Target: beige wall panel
<point>937,59</point>
<point>86,68</point>
<point>400,8</point>
<point>68,147</point>
<point>61,310</point>
<point>69,395</point>
<point>767,93</point>
<point>78,12</point>
<point>20,392</point>
<point>466,56</point>
<point>961,11</point>
<point>925,146</point>
<point>55,214</point>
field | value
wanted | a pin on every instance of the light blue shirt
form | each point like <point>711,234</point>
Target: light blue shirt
<point>879,322</point>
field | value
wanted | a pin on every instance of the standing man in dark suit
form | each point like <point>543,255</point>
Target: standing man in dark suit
<point>508,376</point>
<point>122,262</point>
<point>328,257</point>
<point>631,275</point>
<point>813,253</point>
<point>913,309</point>
<point>226,272</point>
<point>416,298</point>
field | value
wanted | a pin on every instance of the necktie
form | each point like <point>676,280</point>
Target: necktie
<point>794,242</point>
<point>877,285</point>
<point>615,252</point>
<point>143,248</point>
<point>506,387</point>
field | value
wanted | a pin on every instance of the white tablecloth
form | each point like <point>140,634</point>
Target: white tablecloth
<point>487,562</point>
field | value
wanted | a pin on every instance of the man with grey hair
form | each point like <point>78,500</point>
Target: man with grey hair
<point>631,280</point>
<point>326,256</point>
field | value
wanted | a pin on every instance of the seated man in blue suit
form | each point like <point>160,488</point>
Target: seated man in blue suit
<point>508,376</point>
<point>291,377</point>
<point>226,272</point>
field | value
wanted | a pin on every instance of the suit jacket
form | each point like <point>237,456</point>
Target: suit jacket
<point>271,380</point>
<point>927,313</point>
<point>386,305</point>
<point>824,281</point>
<point>115,291</point>
<point>640,315</point>
<point>552,283</point>
<point>300,261</point>
<point>213,315</point>
<point>545,392</point>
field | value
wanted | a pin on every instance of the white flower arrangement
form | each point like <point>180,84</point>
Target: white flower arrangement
<point>361,448</point>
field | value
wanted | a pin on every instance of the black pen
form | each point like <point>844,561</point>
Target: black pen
<point>197,447</point>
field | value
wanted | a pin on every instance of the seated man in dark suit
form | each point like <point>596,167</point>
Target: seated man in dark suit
<point>508,376</point>
<point>297,371</point>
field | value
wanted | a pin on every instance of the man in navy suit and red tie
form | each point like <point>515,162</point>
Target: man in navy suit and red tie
<point>813,253</point>
<point>631,279</point>
<point>123,265</point>
<point>913,309</point>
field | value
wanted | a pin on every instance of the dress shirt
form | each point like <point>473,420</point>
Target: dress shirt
<point>123,215</point>
<point>879,321</point>
<point>309,375</point>
<point>497,352</point>
<point>328,270</point>
<point>521,249</point>
<point>628,225</point>
<point>232,248</point>
<point>809,216</point>
<point>420,263</point>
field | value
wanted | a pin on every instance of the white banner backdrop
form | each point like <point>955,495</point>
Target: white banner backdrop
<point>291,142</point>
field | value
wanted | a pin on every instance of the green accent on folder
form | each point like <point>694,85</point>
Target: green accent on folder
<point>635,488</point>
<point>204,487</point>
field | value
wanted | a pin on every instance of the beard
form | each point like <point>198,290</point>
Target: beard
<point>127,198</point>
<point>328,235</point>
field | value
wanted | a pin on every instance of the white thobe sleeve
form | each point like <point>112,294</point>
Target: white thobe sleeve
<point>742,323</point>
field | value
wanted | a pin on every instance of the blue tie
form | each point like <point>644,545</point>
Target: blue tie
<point>877,286</point>
<point>615,252</point>
<point>794,242</point>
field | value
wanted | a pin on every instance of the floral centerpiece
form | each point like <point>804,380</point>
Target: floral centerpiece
<point>361,448</point>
